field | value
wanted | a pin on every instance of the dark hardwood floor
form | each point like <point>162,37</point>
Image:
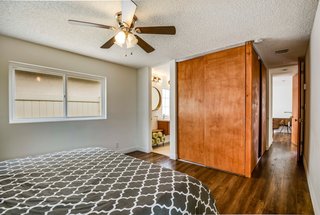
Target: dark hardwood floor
<point>278,184</point>
<point>280,137</point>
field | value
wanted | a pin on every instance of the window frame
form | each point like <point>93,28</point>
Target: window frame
<point>164,101</point>
<point>13,66</point>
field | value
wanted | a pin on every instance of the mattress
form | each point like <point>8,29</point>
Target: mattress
<point>98,181</point>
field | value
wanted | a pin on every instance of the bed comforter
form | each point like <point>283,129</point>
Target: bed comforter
<point>98,181</point>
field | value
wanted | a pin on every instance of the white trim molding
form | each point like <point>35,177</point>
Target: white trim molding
<point>173,110</point>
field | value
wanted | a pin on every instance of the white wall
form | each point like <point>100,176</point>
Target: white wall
<point>269,102</point>
<point>312,123</point>
<point>18,140</point>
<point>282,96</point>
<point>173,110</point>
<point>144,109</point>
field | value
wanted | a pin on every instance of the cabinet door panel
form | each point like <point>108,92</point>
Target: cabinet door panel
<point>224,141</point>
<point>191,110</point>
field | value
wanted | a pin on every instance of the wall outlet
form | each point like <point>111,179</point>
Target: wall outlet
<point>117,145</point>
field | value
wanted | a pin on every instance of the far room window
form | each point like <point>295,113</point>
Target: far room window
<point>40,94</point>
<point>166,103</point>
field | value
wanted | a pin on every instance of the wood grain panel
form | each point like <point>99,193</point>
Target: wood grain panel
<point>248,115</point>
<point>295,110</point>
<point>300,105</point>
<point>252,108</point>
<point>264,108</point>
<point>219,110</point>
<point>191,110</point>
<point>255,109</point>
<point>225,110</point>
<point>165,126</point>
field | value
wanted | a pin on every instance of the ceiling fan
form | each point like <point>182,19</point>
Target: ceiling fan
<point>126,32</point>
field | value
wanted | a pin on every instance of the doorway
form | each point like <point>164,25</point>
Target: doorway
<point>160,114</point>
<point>285,109</point>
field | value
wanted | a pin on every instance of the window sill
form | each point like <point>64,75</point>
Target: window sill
<point>70,119</point>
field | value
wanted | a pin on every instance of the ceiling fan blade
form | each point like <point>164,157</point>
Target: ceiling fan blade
<point>128,9</point>
<point>108,44</point>
<point>171,30</point>
<point>144,45</point>
<point>77,22</point>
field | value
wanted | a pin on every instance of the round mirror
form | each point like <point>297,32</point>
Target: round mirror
<point>156,99</point>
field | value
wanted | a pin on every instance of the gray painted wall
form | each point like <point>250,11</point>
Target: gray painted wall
<point>19,140</point>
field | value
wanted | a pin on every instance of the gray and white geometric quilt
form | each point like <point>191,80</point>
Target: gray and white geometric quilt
<point>98,181</point>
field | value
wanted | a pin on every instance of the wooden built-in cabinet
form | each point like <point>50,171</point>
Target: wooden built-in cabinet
<point>165,126</point>
<point>219,110</point>
<point>191,110</point>
<point>224,108</point>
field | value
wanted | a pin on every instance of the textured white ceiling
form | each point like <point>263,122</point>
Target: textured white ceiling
<point>284,71</point>
<point>162,70</point>
<point>202,26</point>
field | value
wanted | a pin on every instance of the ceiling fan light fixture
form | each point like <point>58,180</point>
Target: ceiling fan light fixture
<point>120,38</point>
<point>126,32</point>
<point>131,40</point>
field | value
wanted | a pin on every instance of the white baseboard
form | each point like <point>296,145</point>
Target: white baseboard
<point>312,191</point>
<point>131,149</point>
<point>269,145</point>
<point>173,156</point>
<point>141,149</point>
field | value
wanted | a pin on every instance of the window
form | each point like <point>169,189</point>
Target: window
<point>84,97</point>
<point>166,103</point>
<point>41,94</point>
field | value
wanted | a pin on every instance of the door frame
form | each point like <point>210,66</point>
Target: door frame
<point>270,76</point>
<point>301,108</point>
<point>301,75</point>
<point>173,111</point>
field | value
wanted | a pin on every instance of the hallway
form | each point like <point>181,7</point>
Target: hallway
<point>278,184</point>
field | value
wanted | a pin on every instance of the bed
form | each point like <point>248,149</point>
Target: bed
<point>98,181</point>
